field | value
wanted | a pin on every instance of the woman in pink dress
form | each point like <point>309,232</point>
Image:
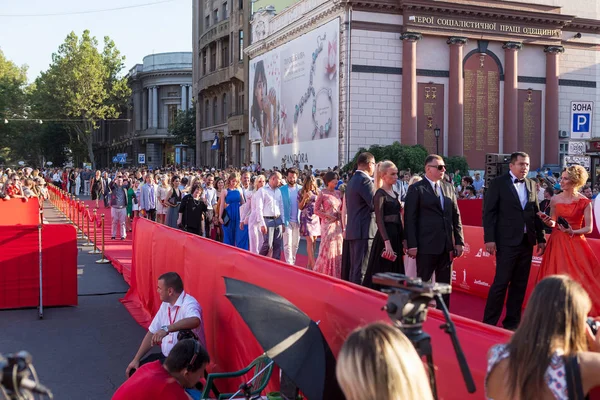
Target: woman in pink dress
<point>327,207</point>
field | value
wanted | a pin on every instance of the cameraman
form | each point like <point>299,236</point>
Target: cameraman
<point>182,369</point>
<point>178,312</point>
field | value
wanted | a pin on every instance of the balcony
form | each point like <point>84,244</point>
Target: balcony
<point>214,78</point>
<point>235,121</point>
<point>214,32</point>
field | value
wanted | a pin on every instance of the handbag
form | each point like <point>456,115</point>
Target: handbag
<point>563,222</point>
<point>573,376</point>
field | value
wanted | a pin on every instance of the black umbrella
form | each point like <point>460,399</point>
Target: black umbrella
<point>289,337</point>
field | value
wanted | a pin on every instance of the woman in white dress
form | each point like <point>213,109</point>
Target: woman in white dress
<point>251,216</point>
<point>162,194</point>
<point>77,183</point>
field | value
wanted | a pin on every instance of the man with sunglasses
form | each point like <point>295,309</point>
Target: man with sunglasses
<point>432,224</point>
<point>182,370</point>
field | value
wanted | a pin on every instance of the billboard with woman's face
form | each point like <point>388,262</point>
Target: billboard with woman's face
<point>294,100</point>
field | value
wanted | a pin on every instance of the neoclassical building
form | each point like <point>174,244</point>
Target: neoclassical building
<point>493,77</point>
<point>160,88</point>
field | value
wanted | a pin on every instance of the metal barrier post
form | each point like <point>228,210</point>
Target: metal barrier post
<point>102,260</point>
<point>95,249</point>
<point>87,208</point>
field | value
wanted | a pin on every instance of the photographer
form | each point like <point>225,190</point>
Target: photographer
<point>552,333</point>
<point>378,362</point>
<point>182,369</point>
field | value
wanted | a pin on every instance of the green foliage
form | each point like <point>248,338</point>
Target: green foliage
<point>184,127</point>
<point>405,157</point>
<point>456,163</point>
<point>82,85</point>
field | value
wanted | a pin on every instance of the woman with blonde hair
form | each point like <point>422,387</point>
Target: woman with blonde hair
<point>378,362</point>
<point>252,216</point>
<point>163,193</point>
<point>552,335</point>
<point>230,202</point>
<point>310,224</point>
<point>387,249</point>
<point>567,250</point>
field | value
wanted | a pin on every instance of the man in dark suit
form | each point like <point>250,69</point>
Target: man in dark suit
<point>511,228</point>
<point>432,224</point>
<point>360,225</point>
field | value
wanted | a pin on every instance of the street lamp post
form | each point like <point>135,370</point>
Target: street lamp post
<point>436,132</point>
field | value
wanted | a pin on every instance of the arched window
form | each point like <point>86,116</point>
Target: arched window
<point>224,107</point>
<point>215,107</point>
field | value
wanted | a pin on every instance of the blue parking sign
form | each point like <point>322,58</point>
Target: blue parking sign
<point>581,119</point>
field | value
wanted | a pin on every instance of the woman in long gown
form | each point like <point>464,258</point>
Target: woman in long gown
<point>173,201</point>
<point>387,250</point>
<point>568,251</point>
<point>327,207</point>
<point>251,218</point>
<point>230,201</point>
<point>310,226</point>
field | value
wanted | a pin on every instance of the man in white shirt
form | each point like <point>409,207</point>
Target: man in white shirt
<point>269,206</point>
<point>291,216</point>
<point>179,311</point>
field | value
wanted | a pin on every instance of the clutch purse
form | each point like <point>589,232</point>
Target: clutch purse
<point>393,258</point>
<point>563,222</point>
<point>225,217</point>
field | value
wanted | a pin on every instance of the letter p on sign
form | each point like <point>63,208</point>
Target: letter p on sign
<point>581,119</point>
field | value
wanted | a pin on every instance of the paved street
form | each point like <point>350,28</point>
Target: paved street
<point>79,352</point>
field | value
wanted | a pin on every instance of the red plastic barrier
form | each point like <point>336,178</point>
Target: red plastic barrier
<point>340,306</point>
<point>19,212</point>
<point>19,266</point>
<point>471,211</point>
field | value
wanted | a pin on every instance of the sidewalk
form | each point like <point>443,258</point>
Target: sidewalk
<point>79,352</point>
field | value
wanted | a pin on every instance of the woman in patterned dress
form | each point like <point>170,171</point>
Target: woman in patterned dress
<point>327,207</point>
<point>161,206</point>
<point>310,224</point>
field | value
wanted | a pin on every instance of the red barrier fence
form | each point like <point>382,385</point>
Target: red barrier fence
<point>340,306</point>
<point>19,212</point>
<point>19,266</point>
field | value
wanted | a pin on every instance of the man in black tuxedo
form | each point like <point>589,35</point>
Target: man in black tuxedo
<point>511,228</point>
<point>360,225</point>
<point>432,224</point>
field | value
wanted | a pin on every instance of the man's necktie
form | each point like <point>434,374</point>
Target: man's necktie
<point>437,193</point>
<point>517,180</point>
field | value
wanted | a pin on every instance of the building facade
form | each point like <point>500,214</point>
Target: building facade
<point>492,76</point>
<point>219,37</point>
<point>160,88</point>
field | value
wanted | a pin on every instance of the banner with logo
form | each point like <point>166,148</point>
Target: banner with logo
<point>294,100</point>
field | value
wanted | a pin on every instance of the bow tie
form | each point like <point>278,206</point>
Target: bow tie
<point>517,180</point>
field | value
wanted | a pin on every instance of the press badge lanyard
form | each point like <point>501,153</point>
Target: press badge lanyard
<point>171,321</point>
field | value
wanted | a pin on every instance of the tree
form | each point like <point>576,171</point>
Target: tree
<point>405,157</point>
<point>13,106</point>
<point>184,127</point>
<point>455,163</point>
<point>82,86</point>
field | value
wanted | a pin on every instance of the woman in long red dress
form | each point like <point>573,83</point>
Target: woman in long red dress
<point>568,251</point>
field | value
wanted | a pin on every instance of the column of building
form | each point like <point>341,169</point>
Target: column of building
<point>150,117</point>
<point>551,111</point>
<point>510,142</point>
<point>154,107</point>
<point>144,109</point>
<point>456,96</point>
<point>190,97</point>
<point>183,98</point>
<point>408,133</point>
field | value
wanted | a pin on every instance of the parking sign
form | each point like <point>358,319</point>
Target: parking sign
<point>141,158</point>
<point>581,119</point>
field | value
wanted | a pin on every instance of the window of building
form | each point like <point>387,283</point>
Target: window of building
<point>172,94</point>
<point>224,53</point>
<point>241,5</point>
<point>225,11</point>
<point>213,57</point>
<point>224,107</point>
<point>240,99</point>
<point>204,66</point>
<point>563,151</point>
<point>207,22</point>
<point>216,16</point>
<point>172,109</point>
<point>241,34</point>
<point>215,107</point>
<point>206,107</point>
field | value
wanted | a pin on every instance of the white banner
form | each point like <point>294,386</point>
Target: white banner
<point>294,102</point>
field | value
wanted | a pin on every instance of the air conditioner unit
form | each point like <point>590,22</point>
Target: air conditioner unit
<point>563,134</point>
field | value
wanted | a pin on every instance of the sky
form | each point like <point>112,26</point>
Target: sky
<point>159,27</point>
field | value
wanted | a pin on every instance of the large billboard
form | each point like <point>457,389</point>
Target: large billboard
<point>294,100</point>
